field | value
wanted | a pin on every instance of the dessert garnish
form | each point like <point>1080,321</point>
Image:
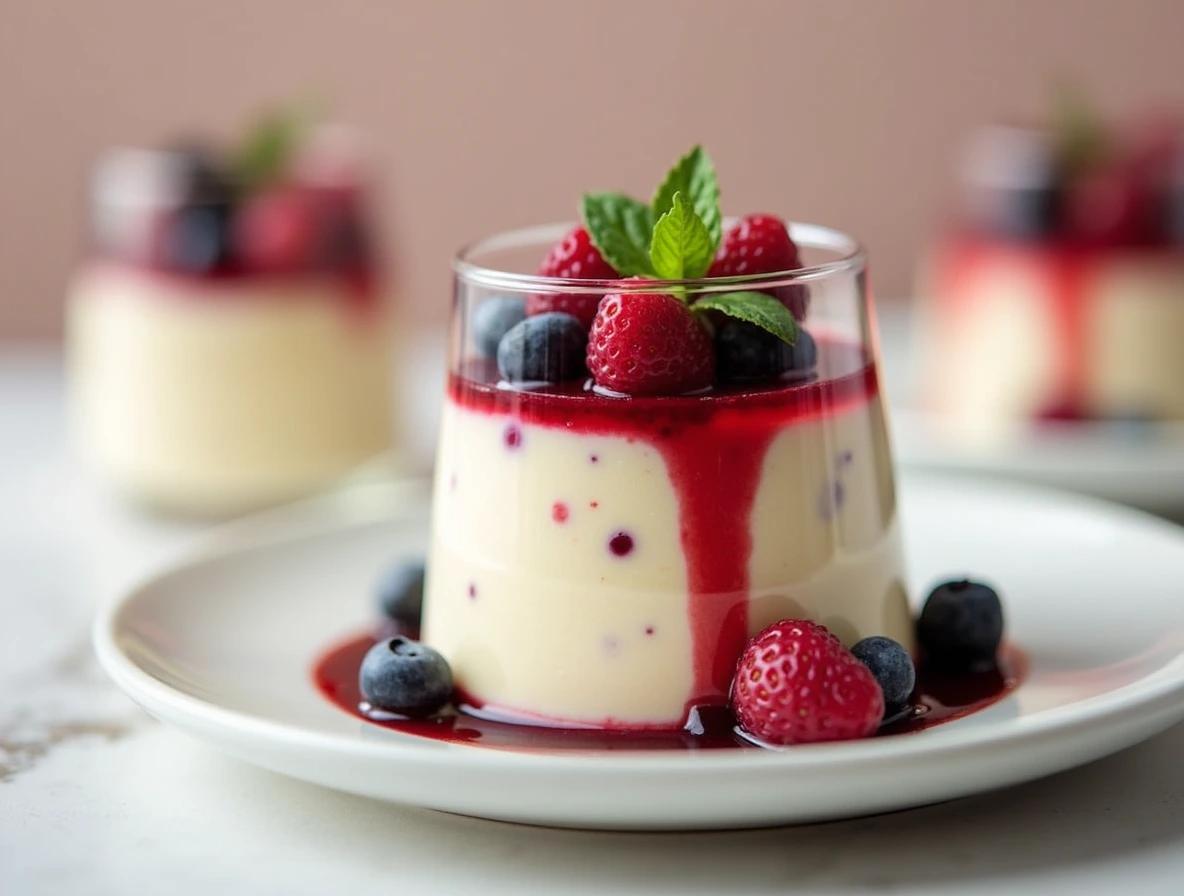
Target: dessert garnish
<point>400,596</point>
<point>660,342</point>
<point>259,207</point>
<point>545,348</point>
<point>493,319</point>
<point>892,668</point>
<point>961,624</point>
<point>1078,180</point>
<point>404,677</point>
<point>795,683</point>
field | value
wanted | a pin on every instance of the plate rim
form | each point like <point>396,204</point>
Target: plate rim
<point>1159,694</point>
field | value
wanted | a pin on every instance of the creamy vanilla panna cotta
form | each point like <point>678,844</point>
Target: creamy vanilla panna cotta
<point>229,337</point>
<point>630,484</point>
<point>1059,292</point>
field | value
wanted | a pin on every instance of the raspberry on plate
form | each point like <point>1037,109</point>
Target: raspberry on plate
<point>796,683</point>
<point>649,344</point>
<point>574,258</point>
<point>760,244</point>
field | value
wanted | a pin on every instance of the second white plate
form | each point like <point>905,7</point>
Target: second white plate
<point>222,647</point>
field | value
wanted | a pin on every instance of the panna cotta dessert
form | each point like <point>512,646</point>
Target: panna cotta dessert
<point>668,439</point>
<point>1059,294</point>
<point>229,340</point>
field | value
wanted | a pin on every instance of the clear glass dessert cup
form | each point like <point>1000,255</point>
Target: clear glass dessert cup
<point>600,561</point>
<point>228,348</point>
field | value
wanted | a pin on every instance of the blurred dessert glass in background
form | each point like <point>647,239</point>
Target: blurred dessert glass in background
<point>1058,293</point>
<point>229,336</point>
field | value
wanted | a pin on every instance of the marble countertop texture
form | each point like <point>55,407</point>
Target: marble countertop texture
<point>96,798</point>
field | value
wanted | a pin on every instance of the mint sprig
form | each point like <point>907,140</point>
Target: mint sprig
<point>621,228</point>
<point>675,237</point>
<point>682,248</point>
<point>1080,140</point>
<point>272,140</point>
<point>694,176</point>
<point>755,307</point>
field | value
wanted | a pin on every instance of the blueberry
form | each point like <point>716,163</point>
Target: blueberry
<point>1013,179</point>
<point>197,237</point>
<point>405,677</point>
<point>495,317</point>
<point>400,594</point>
<point>803,354</point>
<point>545,348</point>
<point>745,351</point>
<point>961,624</point>
<point>344,244</point>
<point>892,666</point>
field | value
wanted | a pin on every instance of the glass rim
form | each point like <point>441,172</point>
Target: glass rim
<point>852,259</point>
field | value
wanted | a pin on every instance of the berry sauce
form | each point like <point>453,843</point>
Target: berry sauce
<point>939,697</point>
<point>714,447</point>
<point>1067,270</point>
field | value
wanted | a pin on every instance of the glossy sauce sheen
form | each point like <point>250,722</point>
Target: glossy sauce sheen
<point>714,447</point>
<point>939,697</point>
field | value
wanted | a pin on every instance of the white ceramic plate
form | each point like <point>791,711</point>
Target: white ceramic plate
<point>221,647</point>
<point>1141,464</point>
<point>1137,464</point>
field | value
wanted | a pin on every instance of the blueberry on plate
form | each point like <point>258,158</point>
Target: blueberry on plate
<point>803,354</point>
<point>961,624</point>
<point>545,348</point>
<point>495,317</point>
<point>400,594</point>
<point>892,667</point>
<point>746,352</point>
<point>402,676</point>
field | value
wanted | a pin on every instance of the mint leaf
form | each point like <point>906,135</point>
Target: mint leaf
<point>620,228</point>
<point>756,308</point>
<point>682,248</point>
<point>694,176</point>
<point>1079,135</point>
<point>272,140</point>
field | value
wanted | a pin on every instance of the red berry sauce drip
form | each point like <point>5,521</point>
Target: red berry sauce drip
<point>714,447</point>
<point>939,697</point>
<point>1068,268</point>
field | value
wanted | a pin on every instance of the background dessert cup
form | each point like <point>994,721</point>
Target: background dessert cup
<point>229,336</point>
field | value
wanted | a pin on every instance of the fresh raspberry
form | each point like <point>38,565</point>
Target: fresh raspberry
<point>574,258</point>
<point>1109,206</point>
<point>275,232</point>
<point>649,344</point>
<point>760,244</point>
<point>796,684</point>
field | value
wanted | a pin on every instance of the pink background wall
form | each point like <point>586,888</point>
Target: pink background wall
<point>487,115</point>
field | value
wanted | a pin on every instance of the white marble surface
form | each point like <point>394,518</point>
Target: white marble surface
<point>96,798</point>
